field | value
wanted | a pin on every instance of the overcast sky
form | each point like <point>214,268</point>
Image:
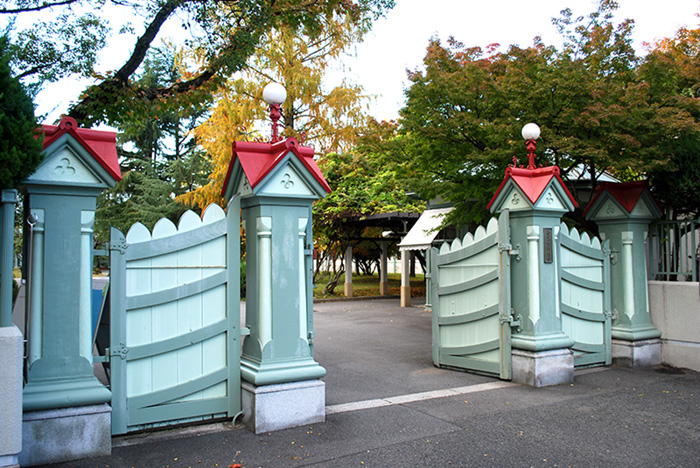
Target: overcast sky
<point>399,40</point>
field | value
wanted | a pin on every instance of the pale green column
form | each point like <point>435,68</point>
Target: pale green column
<point>535,281</point>
<point>8,200</point>
<point>60,372</point>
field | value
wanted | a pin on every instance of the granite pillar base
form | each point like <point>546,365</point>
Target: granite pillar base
<point>280,406</point>
<point>634,354</point>
<point>543,368</point>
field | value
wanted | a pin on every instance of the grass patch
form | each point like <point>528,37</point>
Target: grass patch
<point>368,285</point>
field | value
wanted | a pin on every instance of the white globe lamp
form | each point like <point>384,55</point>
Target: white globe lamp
<point>531,131</point>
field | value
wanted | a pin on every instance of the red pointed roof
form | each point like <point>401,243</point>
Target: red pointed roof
<point>626,194</point>
<point>532,182</point>
<point>259,159</point>
<point>102,145</point>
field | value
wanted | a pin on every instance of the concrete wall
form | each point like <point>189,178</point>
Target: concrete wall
<point>675,311</point>
<point>11,351</point>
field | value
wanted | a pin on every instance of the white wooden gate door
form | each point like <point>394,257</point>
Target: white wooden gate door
<point>471,302</point>
<point>585,296</point>
<point>175,305</point>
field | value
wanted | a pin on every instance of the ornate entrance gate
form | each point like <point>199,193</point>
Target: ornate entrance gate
<point>175,317</point>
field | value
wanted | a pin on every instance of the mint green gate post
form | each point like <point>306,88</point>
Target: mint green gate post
<point>60,204</point>
<point>623,213</point>
<point>278,183</point>
<point>536,199</point>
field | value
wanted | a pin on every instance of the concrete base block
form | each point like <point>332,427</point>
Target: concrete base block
<point>58,435</point>
<point>280,406</point>
<point>642,353</point>
<point>10,395</point>
<point>383,288</point>
<point>543,368</point>
<point>348,289</point>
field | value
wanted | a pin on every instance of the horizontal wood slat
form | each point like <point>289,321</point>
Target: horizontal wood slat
<point>176,342</point>
<point>467,285</point>
<point>176,293</point>
<point>468,251</point>
<point>177,391</point>
<point>470,317</point>
<point>176,242</point>
<point>470,349</point>
<point>582,314</point>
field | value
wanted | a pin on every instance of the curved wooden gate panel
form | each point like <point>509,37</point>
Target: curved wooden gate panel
<point>585,296</point>
<point>175,352</point>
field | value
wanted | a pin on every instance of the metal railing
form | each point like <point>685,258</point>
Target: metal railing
<point>674,250</point>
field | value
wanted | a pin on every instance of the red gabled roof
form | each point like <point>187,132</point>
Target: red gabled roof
<point>532,182</point>
<point>102,145</point>
<point>626,194</point>
<point>259,159</point>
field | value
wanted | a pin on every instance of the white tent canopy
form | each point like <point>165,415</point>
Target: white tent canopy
<point>421,235</point>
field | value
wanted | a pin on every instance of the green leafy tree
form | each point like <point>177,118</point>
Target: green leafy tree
<point>160,158</point>
<point>20,151</point>
<point>464,111</point>
<point>324,119</point>
<point>363,184</point>
<point>222,34</point>
<point>672,74</point>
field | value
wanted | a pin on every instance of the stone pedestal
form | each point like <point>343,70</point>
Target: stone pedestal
<point>640,353</point>
<point>543,368</point>
<point>10,395</point>
<point>58,435</point>
<point>273,407</point>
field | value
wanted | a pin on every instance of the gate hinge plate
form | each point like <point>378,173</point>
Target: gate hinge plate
<point>121,350</point>
<point>511,319</point>
<point>119,245</point>
<point>505,246</point>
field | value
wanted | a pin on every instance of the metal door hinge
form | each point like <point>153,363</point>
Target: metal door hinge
<point>311,337</point>
<point>512,319</point>
<point>503,247</point>
<point>120,351</point>
<point>119,245</point>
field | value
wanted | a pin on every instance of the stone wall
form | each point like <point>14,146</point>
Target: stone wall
<point>675,311</point>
